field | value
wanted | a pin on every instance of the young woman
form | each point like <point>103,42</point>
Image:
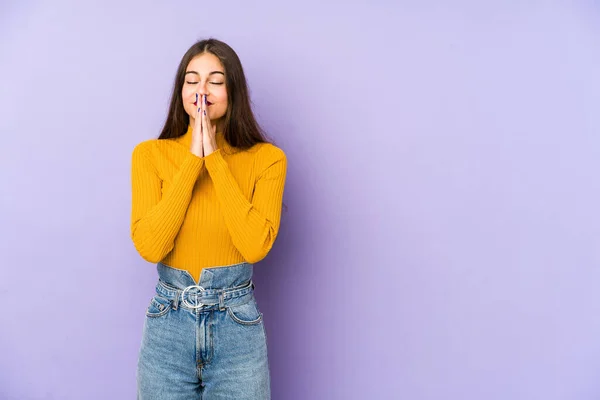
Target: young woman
<point>206,206</point>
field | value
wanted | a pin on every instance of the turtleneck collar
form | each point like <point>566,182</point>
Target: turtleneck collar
<point>186,139</point>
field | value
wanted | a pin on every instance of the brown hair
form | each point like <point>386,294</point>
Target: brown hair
<point>240,128</point>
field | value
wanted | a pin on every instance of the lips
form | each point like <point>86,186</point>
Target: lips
<point>208,103</point>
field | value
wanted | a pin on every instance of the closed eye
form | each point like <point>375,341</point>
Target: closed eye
<point>213,83</point>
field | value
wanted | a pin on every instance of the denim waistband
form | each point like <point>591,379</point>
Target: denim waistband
<point>211,278</point>
<point>216,285</point>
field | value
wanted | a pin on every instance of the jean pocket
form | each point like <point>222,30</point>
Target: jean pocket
<point>245,314</point>
<point>158,307</point>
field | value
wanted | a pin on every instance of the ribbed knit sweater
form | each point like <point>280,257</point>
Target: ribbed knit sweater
<point>193,212</point>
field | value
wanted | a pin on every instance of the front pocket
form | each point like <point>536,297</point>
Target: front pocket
<point>245,314</point>
<point>158,307</point>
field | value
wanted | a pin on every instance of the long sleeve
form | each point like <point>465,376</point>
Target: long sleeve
<point>156,219</point>
<point>253,225</point>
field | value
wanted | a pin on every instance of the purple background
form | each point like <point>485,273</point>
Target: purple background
<point>441,238</point>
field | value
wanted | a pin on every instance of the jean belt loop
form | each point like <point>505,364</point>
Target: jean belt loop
<point>221,301</point>
<point>175,301</point>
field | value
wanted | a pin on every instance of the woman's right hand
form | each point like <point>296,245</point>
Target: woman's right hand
<point>197,147</point>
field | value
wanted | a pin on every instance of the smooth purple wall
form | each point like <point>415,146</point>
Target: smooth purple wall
<point>441,238</point>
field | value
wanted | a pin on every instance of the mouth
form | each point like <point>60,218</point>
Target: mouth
<point>208,103</point>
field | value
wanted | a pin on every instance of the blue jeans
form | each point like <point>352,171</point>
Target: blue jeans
<point>204,341</point>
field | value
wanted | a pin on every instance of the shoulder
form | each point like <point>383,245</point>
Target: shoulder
<point>270,153</point>
<point>145,147</point>
<point>270,159</point>
<point>152,147</point>
<point>147,152</point>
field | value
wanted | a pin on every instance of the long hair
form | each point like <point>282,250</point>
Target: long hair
<point>240,128</point>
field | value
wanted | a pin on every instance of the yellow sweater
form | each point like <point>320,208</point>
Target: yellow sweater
<point>194,212</point>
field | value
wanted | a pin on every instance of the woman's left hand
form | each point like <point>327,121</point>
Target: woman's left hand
<point>208,131</point>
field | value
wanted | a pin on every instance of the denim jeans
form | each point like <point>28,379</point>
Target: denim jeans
<point>205,340</point>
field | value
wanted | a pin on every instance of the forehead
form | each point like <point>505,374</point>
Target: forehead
<point>205,63</point>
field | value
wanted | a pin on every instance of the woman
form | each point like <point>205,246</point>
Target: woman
<point>206,206</point>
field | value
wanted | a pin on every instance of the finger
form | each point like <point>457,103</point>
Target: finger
<point>199,114</point>
<point>207,127</point>
<point>204,111</point>
<point>205,115</point>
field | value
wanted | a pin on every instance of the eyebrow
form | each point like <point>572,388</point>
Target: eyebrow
<point>212,73</point>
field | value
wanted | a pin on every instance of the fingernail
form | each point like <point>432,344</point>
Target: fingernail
<point>204,99</point>
<point>204,112</point>
<point>196,97</point>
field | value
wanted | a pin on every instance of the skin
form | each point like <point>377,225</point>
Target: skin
<point>205,83</point>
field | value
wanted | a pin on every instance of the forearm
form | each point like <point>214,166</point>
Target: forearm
<point>155,225</point>
<point>252,227</point>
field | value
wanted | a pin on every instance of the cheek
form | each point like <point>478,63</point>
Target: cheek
<point>187,100</point>
<point>187,93</point>
<point>220,94</point>
<point>222,107</point>
<point>223,100</point>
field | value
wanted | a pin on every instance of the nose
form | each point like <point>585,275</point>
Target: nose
<point>202,90</point>
<point>201,93</point>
